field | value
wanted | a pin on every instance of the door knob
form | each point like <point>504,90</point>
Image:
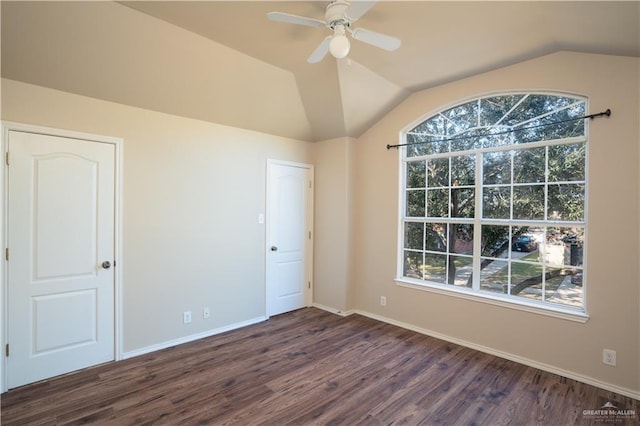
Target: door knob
<point>106,264</point>
<point>274,248</point>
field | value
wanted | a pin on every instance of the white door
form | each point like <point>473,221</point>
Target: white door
<point>289,224</point>
<point>60,231</point>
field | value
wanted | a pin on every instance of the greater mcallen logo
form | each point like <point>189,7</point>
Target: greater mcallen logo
<point>610,412</point>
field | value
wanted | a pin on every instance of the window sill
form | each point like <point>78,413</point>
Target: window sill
<point>568,314</point>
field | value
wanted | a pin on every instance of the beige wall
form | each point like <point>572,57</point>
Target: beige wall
<point>613,296</point>
<point>332,254</point>
<point>192,194</point>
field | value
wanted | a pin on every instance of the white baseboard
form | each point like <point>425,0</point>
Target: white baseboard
<point>191,338</point>
<point>516,358</point>
<point>332,310</point>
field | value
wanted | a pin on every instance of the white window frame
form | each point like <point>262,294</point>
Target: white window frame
<point>474,293</point>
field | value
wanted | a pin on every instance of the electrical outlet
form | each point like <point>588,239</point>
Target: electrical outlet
<point>206,312</point>
<point>186,317</point>
<point>609,357</point>
<point>383,301</point>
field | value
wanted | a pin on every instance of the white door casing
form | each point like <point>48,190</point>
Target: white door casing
<point>60,228</point>
<point>289,238</point>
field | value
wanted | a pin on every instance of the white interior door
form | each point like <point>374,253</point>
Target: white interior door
<point>60,230</point>
<point>288,237</point>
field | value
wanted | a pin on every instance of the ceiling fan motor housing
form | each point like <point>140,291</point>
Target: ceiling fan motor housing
<point>335,13</point>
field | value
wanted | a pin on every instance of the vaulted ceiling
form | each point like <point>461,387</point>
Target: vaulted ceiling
<point>183,57</point>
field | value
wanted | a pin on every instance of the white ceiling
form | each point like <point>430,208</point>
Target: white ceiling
<point>441,42</point>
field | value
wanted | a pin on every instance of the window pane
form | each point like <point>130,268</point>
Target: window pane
<point>460,270</point>
<point>536,130</point>
<point>517,231</point>
<point>495,241</point>
<point>462,202</point>
<point>544,129</point>
<point>495,137</point>
<point>439,146</point>
<point>496,168</point>
<point>438,172</point>
<point>467,140</point>
<point>413,264</point>
<point>531,252</point>
<point>433,126</point>
<point>416,174</point>
<point>463,170</point>
<point>575,246</point>
<point>435,267</point>
<point>461,238</point>
<point>415,203</point>
<point>494,276</point>
<point>553,279</point>
<point>567,162</point>
<point>524,243</point>
<point>528,165</point>
<point>414,235</point>
<point>461,118</point>
<point>575,278</point>
<point>496,202</point>
<point>537,104</point>
<point>564,246</point>
<point>526,280</point>
<point>564,286</point>
<point>421,145</point>
<point>417,146</point>
<point>566,202</point>
<point>438,202</point>
<point>436,236</point>
<point>493,109</point>
<point>528,202</point>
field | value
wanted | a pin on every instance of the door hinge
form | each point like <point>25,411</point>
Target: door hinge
<point>6,253</point>
<point>6,157</point>
<point>309,234</point>
<point>6,349</point>
<point>309,182</point>
<point>309,284</point>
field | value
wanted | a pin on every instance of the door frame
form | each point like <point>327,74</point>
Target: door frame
<point>308,261</point>
<point>118,144</point>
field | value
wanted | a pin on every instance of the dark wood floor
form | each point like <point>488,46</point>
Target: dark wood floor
<point>312,367</point>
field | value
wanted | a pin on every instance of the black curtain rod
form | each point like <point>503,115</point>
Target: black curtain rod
<point>591,116</point>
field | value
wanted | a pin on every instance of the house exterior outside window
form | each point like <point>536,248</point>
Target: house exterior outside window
<point>493,200</point>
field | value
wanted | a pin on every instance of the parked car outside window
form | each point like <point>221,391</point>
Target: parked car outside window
<point>525,243</point>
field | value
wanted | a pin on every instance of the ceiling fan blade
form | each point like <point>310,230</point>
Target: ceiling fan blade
<point>358,8</point>
<point>320,52</point>
<point>376,39</point>
<point>294,19</point>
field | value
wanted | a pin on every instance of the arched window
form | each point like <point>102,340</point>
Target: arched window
<point>493,200</point>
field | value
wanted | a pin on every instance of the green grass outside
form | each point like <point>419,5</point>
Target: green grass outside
<point>523,271</point>
<point>439,268</point>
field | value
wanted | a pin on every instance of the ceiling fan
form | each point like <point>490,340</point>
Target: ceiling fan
<point>339,16</point>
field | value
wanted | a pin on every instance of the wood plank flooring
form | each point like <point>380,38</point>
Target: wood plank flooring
<point>311,367</point>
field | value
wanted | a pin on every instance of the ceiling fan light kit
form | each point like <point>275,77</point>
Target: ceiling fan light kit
<point>339,15</point>
<point>339,46</point>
